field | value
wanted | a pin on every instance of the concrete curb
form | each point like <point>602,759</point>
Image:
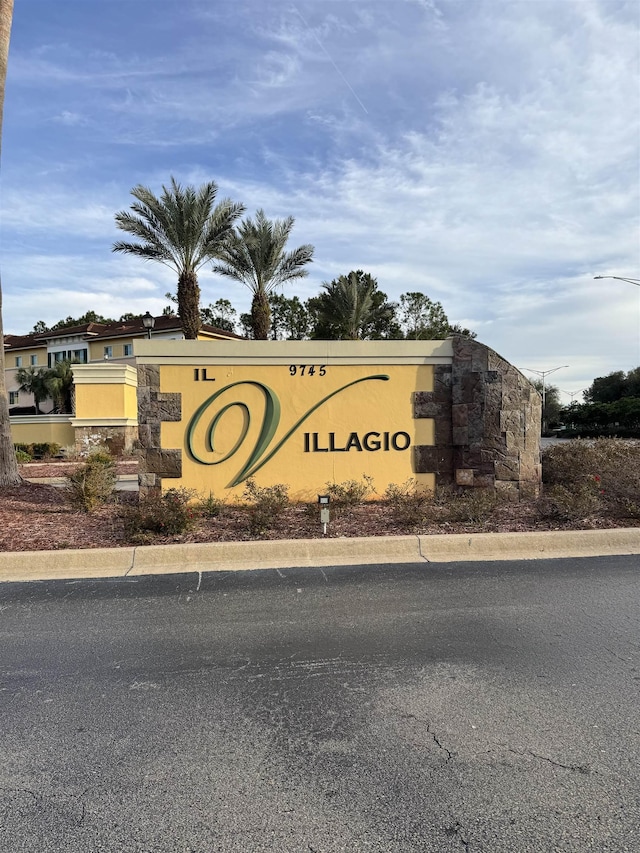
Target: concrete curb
<point>279,554</point>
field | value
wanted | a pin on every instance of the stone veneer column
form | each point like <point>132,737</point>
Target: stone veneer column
<point>153,408</point>
<point>487,423</point>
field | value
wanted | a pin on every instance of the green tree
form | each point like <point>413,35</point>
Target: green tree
<point>289,318</point>
<point>633,383</point>
<point>88,317</point>
<point>457,329</point>
<point>353,308</point>
<point>33,381</point>
<point>39,328</point>
<point>606,389</point>
<point>221,314</point>
<point>421,318</point>
<point>59,383</point>
<point>182,229</point>
<point>254,254</point>
<point>9,474</point>
<point>425,320</point>
<point>246,326</point>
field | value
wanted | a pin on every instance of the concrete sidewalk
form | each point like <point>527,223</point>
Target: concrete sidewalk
<point>279,554</point>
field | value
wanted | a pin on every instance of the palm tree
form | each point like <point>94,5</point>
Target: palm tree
<point>59,383</point>
<point>9,474</point>
<point>33,381</point>
<point>183,230</point>
<point>352,308</point>
<point>254,254</point>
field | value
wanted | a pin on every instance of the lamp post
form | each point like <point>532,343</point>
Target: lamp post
<point>544,374</point>
<point>635,281</point>
<point>572,394</point>
<point>148,322</point>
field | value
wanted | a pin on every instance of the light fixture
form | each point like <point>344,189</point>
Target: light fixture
<point>544,374</point>
<point>635,281</point>
<point>148,322</point>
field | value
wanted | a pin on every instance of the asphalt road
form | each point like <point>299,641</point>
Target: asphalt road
<point>460,707</point>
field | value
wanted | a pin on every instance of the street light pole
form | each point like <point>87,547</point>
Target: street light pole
<point>572,394</point>
<point>635,281</point>
<point>544,374</point>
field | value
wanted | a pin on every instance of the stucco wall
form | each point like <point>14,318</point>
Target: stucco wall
<point>41,429</point>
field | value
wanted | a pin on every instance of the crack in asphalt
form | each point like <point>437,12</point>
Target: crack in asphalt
<point>434,736</point>
<point>437,742</point>
<point>577,768</point>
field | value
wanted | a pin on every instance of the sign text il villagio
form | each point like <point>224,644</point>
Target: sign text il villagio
<point>213,409</point>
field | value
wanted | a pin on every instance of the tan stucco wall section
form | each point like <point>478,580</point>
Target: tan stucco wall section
<point>38,429</point>
<point>105,390</point>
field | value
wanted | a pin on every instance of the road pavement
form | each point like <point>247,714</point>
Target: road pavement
<point>434,708</point>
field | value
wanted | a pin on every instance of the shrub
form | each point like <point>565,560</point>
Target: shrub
<point>409,504</point>
<point>265,504</point>
<point>92,484</point>
<point>45,449</point>
<point>70,453</point>
<point>169,514</point>
<point>350,493</point>
<point>22,456</point>
<point>610,467</point>
<point>210,507</point>
<point>569,504</point>
<point>470,506</point>
<point>41,450</point>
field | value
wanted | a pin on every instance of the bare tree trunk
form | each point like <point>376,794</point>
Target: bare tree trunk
<point>189,304</point>
<point>9,474</point>
<point>260,316</point>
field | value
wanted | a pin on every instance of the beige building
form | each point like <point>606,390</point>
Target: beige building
<point>85,344</point>
<point>104,399</point>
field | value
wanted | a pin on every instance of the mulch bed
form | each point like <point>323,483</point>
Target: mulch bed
<point>36,517</point>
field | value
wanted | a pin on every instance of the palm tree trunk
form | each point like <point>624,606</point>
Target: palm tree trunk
<point>9,475</point>
<point>260,316</point>
<point>189,304</point>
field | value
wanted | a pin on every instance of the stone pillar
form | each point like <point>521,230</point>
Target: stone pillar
<point>488,419</point>
<point>153,408</point>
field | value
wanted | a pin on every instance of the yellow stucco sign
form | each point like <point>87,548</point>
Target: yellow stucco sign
<point>302,423</point>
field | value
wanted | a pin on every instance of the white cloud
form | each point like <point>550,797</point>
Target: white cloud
<point>496,166</point>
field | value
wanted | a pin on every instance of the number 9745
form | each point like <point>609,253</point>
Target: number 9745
<point>307,369</point>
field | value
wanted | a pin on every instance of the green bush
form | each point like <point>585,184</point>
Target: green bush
<point>22,457</point>
<point>561,503</point>
<point>608,467</point>
<point>210,507</point>
<point>41,450</point>
<point>410,505</point>
<point>44,449</point>
<point>350,493</point>
<point>265,504</point>
<point>92,484</point>
<point>169,514</point>
<point>470,506</point>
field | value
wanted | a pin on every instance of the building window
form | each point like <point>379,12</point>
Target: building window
<point>33,359</point>
<point>13,398</point>
<point>80,355</point>
<point>108,352</point>
<point>18,361</point>
<point>128,349</point>
<point>59,356</point>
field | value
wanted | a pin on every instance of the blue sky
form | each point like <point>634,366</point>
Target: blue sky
<point>485,152</point>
